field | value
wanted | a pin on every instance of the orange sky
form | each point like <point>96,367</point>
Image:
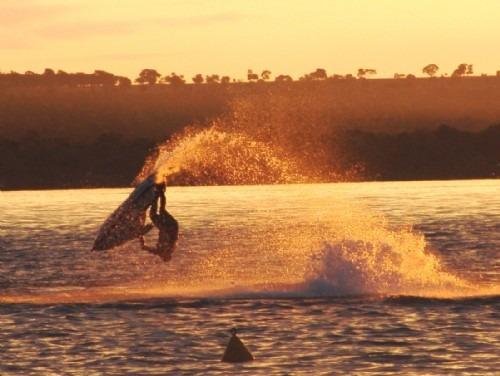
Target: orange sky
<point>227,37</point>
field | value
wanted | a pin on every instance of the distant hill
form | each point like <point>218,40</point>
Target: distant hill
<point>99,135</point>
<point>154,112</point>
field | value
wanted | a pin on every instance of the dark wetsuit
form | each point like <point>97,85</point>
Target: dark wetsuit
<point>167,226</point>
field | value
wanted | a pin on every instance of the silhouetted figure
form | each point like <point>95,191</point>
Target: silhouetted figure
<point>166,224</point>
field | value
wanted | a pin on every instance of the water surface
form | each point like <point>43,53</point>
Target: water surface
<point>384,278</point>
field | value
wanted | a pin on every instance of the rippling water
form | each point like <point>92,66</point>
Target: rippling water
<point>398,278</point>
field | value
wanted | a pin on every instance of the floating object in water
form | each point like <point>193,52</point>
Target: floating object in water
<point>236,351</point>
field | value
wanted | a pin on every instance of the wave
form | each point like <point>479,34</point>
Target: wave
<point>354,254</point>
<point>358,267</point>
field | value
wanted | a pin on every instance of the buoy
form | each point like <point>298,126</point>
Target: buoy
<point>236,351</point>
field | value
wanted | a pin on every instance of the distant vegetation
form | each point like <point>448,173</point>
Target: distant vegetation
<point>442,153</point>
<point>152,77</point>
<point>52,79</point>
<point>61,129</point>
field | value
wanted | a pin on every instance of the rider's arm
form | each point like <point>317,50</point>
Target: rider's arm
<point>153,209</point>
<point>163,202</point>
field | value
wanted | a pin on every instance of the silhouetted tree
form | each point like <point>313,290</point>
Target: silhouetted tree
<point>470,70</point>
<point>283,78</point>
<point>364,73</point>
<point>104,78</point>
<point>124,82</point>
<point>225,80</point>
<point>318,74</point>
<point>430,69</point>
<point>399,76</point>
<point>265,75</point>
<point>212,79</point>
<point>198,79</point>
<point>174,79</point>
<point>460,71</point>
<point>252,76</point>
<point>148,76</point>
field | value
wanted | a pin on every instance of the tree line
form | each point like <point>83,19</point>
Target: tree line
<point>66,137</point>
<point>61,78</point>
<point>36,162</point>
<point>113,161</point>
<point>151,77</point>
<point>439,154</point>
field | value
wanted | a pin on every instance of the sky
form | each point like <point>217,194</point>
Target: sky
<point>228,37</point>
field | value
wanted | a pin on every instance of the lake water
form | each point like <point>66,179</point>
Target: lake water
<point>358,278</point>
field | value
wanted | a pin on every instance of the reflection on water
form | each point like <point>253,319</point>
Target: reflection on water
<point>320,279</point>
<point>427,239</point>
<point>311,336</point>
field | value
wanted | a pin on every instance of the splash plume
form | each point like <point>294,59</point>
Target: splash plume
<point>264,139</point>
<point>216,157</point>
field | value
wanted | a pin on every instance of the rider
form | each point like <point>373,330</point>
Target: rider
<point>166,224</point>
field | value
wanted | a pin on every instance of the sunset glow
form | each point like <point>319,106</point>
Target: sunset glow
<point>229,37</point>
